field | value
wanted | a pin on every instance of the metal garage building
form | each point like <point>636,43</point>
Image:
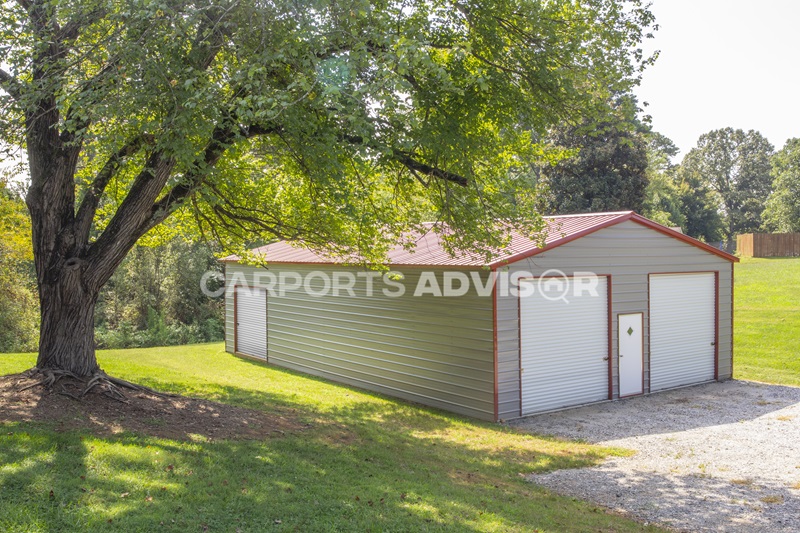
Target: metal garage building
<point>613,305</point>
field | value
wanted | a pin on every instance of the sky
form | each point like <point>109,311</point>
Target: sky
<point>724,63</point>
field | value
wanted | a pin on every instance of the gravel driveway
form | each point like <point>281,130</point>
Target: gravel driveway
<point>715,457</point>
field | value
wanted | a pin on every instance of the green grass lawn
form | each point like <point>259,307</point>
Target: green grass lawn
<point>366,463</point>
<point>767,320</point>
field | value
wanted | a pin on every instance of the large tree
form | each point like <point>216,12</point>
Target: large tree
<point>735,165</point>
<point>607,166</point>
<point>699,205</point>
<point>783,207</point>
<point>341,124</point>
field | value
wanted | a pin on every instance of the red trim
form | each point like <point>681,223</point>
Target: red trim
<point>609,299</point>
<point>619,377</point>
<point>716,325</point>
<point>680,236</point>
<point>530,253</point>
<point>681,272</point>
<point>519,350</point>
<point>732,330</point>
<point>716,313</point>
<point>494,342</point>
<point>235,322</point>
<point>633,217</point>
<point>610,332</point>
<point>646,390</point>
<point>620,217</point>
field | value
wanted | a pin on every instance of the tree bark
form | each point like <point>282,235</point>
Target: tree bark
<point>66,338</point>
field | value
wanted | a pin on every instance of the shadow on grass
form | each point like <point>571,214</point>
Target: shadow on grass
<point>365,466</point>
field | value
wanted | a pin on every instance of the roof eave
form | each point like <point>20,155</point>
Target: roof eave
<point>685,238</point>
<point>623,216</point>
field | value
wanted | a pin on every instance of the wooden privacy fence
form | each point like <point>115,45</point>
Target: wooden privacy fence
<point>768,244</point>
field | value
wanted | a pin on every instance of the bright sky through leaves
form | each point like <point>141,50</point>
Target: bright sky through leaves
<point>724,63</point>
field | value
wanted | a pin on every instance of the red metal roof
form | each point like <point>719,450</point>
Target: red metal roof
<point>429,250</point>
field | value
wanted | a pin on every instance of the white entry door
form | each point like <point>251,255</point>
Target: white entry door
<point>563,345</point>
<point>251,321</point>
<point>682,329</point>
<point>631,354</point>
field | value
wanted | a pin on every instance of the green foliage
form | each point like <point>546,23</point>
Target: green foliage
<point>767,320</point>
<point>733,167</point>
<point>783,207</point>
<point>342,125</point>
<point>699,207</point>
<point>662,197</point>
<point>362,462</point>
<point>19,314</point>
<point>607,170</point>
<point>155,298</point>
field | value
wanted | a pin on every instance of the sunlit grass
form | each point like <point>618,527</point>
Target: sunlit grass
<point>767,320</point>
<point>365,463</point>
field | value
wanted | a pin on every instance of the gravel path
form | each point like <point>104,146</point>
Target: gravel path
<point>715,457</point>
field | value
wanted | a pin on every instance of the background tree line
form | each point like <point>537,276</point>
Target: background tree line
<point>732,182</point>
<point>153,299</point>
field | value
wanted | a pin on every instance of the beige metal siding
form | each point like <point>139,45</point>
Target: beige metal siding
<point>628,252</point>
<point>434,350</point>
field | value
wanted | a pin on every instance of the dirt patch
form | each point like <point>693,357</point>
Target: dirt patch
<point>178,418</point>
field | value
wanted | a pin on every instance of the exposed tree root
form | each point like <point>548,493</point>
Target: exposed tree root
<point>99,382</point>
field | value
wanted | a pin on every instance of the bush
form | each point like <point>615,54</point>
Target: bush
<point>158,333</point>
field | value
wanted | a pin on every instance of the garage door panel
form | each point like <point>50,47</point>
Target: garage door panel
<point>251,321</point>
<point>564,349</point>
<point>682,329</point>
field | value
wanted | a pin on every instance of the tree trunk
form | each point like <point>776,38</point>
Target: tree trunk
<point>66,338</point>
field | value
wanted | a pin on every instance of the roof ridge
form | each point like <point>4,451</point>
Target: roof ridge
<point>604,213</point>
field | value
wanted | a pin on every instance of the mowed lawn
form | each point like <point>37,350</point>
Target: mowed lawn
<point>364,463</point>
<point>767,320</point>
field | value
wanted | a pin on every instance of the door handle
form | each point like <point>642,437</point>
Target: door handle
<point>605,358</point>
<point>713,344</point>
<point>620,355</point>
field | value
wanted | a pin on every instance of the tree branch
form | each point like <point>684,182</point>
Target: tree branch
<point>72,29</point>
<point>88,207</point>
<point>221,140</point>
<point>410,161</point>
<point>209,38</point>
<point>104,255</point>
<point>406,159</point>
<point>11,85</point>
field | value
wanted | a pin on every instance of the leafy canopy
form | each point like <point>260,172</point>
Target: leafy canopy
<point>783,207</point>
<point>342,124</point>
<point>608,168</point>
<point>735,165</point>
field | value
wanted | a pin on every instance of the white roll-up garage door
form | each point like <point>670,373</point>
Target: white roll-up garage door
<point>682,329</point>
<point>251,321</point>
<point>564,346</point>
